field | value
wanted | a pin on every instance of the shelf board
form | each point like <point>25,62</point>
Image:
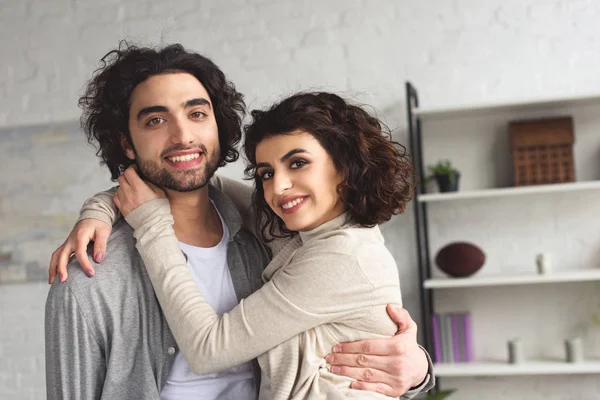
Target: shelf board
<point>587,275</point>
<point>505,369</point>
<point>519,106</point>
<point>510,191</point>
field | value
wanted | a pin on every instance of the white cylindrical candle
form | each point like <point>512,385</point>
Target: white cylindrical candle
<point>543,262</point>
<point>515,351</point>
<point>574,350</point>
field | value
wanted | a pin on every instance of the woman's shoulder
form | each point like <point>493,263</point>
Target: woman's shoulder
<point>356,252</point>
<point>349,240</point>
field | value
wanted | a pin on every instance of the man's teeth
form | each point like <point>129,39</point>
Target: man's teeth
<point>292,203</point>
<point>187,157</point>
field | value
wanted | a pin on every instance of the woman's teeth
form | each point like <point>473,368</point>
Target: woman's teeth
<point>292,203</point>
<point>187,157</point>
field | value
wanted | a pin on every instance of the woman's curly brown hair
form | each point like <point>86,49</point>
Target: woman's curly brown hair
<point>106,99</point>
<point>377,174</point>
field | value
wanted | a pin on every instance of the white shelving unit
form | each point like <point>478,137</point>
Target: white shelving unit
<point>510,191</point>
<point>520,106</point>
<point>526,368</point>
<point>521,279</point>
<point>475,139</point>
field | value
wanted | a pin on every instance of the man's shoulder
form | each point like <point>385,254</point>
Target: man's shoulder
<point>117,306</point>
<point>120,271</point>
<point>120,248</point>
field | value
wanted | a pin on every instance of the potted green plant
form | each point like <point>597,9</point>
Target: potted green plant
<point>446,176</point>
<point>441,395</point>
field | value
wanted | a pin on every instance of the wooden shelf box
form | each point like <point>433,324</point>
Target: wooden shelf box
<point>542,151</point>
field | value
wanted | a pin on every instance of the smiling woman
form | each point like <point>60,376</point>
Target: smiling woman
<point>299,180</point>
<point>359,164</point>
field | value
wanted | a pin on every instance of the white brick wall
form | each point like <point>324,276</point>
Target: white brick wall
<point>459,51</point>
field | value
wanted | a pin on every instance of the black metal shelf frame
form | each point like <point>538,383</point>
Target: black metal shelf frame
<point>420,211</point>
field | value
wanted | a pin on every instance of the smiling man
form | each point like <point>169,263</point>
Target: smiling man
<point>173,114</point>
<point>186,164</point>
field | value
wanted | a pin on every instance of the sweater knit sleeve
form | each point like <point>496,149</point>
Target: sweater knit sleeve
<point>305,294</point>
<point>101,207</point>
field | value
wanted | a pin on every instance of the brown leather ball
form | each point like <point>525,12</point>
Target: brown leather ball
<point>460,259</point>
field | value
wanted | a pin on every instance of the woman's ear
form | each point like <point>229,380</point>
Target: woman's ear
<point>129,152</point>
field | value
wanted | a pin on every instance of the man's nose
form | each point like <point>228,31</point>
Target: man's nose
<point>181,133</point>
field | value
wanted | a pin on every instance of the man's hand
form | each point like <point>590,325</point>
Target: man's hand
<point>388,366</point>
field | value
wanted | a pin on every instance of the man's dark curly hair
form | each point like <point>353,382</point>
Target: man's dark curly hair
<point>377,175</point>
<point>106,100</point>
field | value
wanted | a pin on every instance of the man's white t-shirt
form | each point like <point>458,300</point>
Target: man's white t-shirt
<point>211,273</point>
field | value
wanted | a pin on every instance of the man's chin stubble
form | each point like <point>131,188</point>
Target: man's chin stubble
<point>165,180</point>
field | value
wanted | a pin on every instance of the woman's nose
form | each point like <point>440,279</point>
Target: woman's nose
<point>282,182</point>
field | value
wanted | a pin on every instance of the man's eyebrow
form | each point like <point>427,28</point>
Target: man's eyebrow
<point>150,110</point>
<point>200,101</point>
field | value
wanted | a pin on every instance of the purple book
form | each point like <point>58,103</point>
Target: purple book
<point>461,337</point>
<point>466,320</point>
<point>454,321</point>
<point>437,340</point>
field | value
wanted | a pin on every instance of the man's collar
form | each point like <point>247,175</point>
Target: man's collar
<point>230,214</point>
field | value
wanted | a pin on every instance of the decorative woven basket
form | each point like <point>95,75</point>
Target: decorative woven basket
<point>542,151</point>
